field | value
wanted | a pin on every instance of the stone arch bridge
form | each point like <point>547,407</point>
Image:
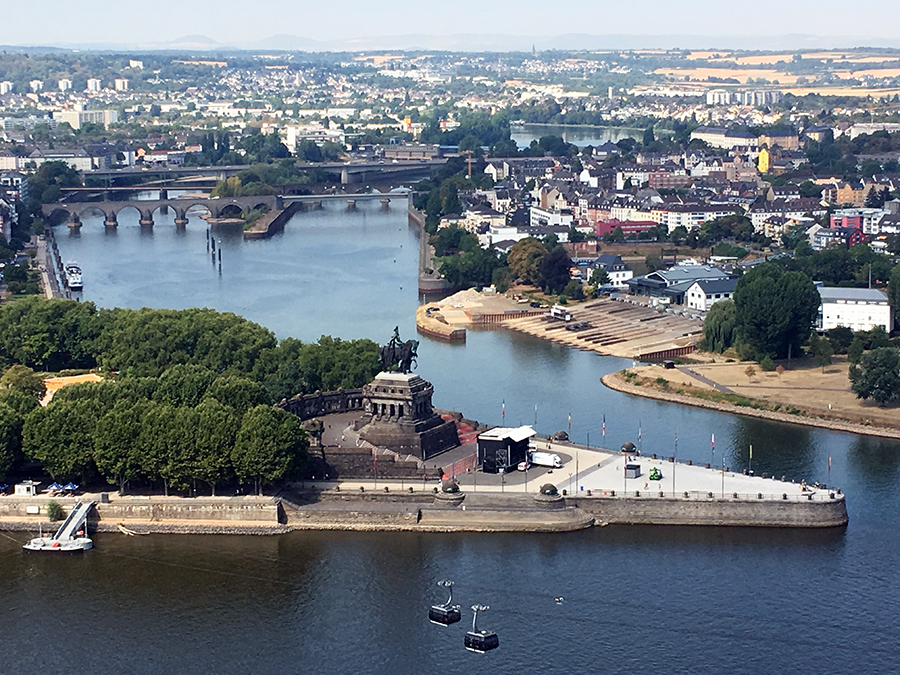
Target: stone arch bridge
<point>218,208</point>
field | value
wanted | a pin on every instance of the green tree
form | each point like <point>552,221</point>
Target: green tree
<point>599,277</point>
<point>24,379</point>
<point>840,338</point>
<point>183,385</point>
<point>718,327</point>
<point>877,376</point>
<point>215,433</point>
<point>893,291</point>
<point>117,444</point>
<point>60,436</point>
<point>573,290</point>
<point>238,393</point>
<point>554,271</point>
<point>822,351</point>
<point>524,260</point>
<point>775,310</point>
<point>855,350</point>
<point>269,446</point>
<point>11,424</point>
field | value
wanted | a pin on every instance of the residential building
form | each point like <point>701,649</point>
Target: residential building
<point>845,237</point>
<point>76,118</point>
<point>94,85</point>
<point>5,87</point>
<point>704,293</point>
<point>36,85</point>
<point>120,84</point>
<point>65,85</point>
<point>629,227</point>
<point>619,273</point>
<point>855,308</point>
<point>673,283</point>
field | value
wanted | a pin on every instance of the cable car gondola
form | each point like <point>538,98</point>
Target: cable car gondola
<point>481,641</point>
<point>445,614</point>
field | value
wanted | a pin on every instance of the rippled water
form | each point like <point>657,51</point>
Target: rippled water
<point>637,599</point>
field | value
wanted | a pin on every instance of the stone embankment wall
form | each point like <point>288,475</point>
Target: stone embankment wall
<point>265,511</point>
<point>714,511</point>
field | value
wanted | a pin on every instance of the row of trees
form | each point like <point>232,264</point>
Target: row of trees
<point>191,400</point>
<point>187,425</point>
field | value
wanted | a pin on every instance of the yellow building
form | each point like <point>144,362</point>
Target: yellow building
<point>762,162</point>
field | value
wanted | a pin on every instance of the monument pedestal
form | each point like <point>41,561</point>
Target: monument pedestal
<point>399,416</point>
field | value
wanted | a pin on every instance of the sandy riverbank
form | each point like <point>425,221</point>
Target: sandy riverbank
<point>682,388</point>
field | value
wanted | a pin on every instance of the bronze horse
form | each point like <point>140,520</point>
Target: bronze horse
<point>398,355</point>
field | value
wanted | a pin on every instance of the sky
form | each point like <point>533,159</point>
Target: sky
<point>240,23</point>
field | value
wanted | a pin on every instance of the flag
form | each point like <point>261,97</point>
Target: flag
<point>570,421</point>
<point>751,452</point>
<point>829,462</point>
<point>604,426</point>
<point>713,442</point>
<point>375,459</point>
<point>503,409</point>
<point>640,434</point>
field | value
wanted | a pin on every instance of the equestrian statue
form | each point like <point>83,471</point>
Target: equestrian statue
<point>397,355</point>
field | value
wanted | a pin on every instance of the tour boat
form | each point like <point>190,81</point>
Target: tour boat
<point>73,276</point>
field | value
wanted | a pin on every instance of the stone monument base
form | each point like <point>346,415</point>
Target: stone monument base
<point>399,417</point>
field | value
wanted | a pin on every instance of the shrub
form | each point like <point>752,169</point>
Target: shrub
<point>767,364</point>
<point>55,511</point>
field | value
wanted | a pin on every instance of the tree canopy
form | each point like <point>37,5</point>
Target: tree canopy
<point>877,375</point>
<point>775,310</point>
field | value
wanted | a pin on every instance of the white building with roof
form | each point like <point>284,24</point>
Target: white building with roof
<point>854,308</point>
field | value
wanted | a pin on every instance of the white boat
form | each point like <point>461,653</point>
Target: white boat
<point>71,537</point>
<point>73,276</point>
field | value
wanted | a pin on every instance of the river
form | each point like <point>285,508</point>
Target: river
<point>637,599</point>
<point>579,135</point>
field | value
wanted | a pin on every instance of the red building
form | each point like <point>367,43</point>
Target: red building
<point>629,227</point>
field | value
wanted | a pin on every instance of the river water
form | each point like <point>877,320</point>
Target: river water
<point>578,135</point>
<point>637,599</point>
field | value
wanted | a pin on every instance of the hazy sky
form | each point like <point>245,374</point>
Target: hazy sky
<point>243,21</point>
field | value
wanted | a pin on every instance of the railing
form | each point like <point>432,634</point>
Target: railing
<point>716,495</point>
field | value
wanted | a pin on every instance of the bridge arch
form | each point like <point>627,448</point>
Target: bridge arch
<point>230,210</point>
<point>88,210</point>
<point>58,215</point>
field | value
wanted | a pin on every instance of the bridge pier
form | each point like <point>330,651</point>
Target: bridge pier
<point>345,177</point>
<point>146,219</point>
<point>316,205</point>
<point>74,222</point>
<point>111,220</point>
<point>351,205</point>
<point>181,219</point>
<point>163,195</point>
<point>385,204</point>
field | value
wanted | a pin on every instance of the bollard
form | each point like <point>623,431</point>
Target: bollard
<point>362,489</point>
<point>410,490</point>
<point>686,494</point>
<point>689,462</point>
<point>589,493</point>
<point>707,465</point>
<point>759,495</point>
<point>661,493</point>
<point>387,489</point>
<point>435,490</point>
<point>564,493</point>
<point>765,475</point>
<point>784,495</point>
<point>672,459</point>
<point>612,493</point>
<point>710,494</point>
<point>654,455</point>
<point>637,493</point>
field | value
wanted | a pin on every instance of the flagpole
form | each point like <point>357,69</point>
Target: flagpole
<point>750,466</point>
<point>674,462</point>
